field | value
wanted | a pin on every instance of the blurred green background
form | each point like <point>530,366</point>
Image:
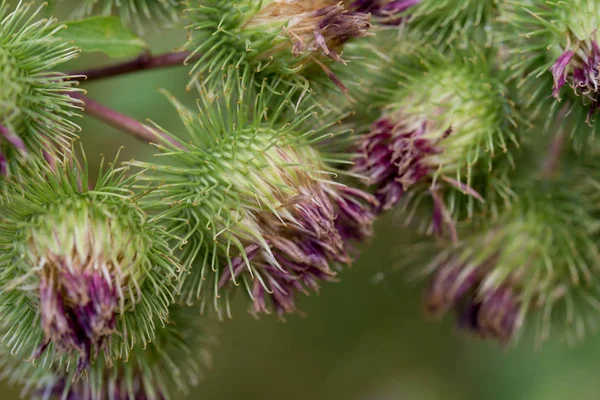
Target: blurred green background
<point>360,339</point>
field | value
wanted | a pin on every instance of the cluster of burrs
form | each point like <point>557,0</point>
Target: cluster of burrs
<point>314,118</point>
<point>98,276</point>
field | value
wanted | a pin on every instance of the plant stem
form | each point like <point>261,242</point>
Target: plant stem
<point>143,62</point>
<point>124,122</point>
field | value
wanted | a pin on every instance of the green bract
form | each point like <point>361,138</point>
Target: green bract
<point>293,38</point>
<point>253,200</point>
<point>34,106</point>
<point>82,271</point>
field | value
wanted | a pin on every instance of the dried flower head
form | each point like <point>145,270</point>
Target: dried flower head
<point>163,370</point>
<point>138,12</point>
<point>434,128</point>
<point>79,267</point>
<point>282,36</point>
<point>535,261</point>
<point>254,200</point>
<point>34,106</point>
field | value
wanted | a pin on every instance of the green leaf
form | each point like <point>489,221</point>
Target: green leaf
<point>103,34</point>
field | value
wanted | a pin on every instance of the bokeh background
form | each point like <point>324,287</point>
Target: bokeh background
<point>364,338</point>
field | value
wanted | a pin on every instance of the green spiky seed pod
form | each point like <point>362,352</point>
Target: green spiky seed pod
<point>34,106</point>
<point>165,369</point>
<point>137,12</point>
<point>554,55</point>
<point>83,271</point>
<point>254,200</point>
<point>439,122</point>
<point>536,261</point>
<point>287,37</point>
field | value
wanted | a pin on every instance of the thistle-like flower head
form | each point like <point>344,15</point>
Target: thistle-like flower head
<point>254,200</point>
<point>554,51</point>
<point>282,36</point>
<point>163,370</point>
<point>535,261</point>
<point>138,12</point>
<point>79,266</point>
<point>434,127</point>
<point>34,106</point>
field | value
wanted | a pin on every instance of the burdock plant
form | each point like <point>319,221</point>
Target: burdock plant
<point>34,105</point>
<point>462,121</point>
<point>255,199</point>
<point>521,269</point>
<point>555,56</point>
<point>286,37</point>
<point>430,126</point>
<point>166,369</point>
<point>83,271</point>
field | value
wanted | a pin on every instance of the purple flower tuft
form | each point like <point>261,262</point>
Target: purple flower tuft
<point>582,71</point>
<point>337,26</point>
<point>492,313</point>
<point>559,72</point>
<point>289,266</point>
<point>314,29</point>
<point>393,157</point>
<point>402,151</point>
<point>322,223</point>
<point>314,26</point>
<point>448,286</point>
<point>78,310</point>
<point>356,214</point>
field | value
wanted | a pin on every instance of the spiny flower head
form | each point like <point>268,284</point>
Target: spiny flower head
<point>133,11</point>
<point>79,266</point>
<point>34,106</point>
<point>255,201</point>
<point>438,120</point>
<point>286,37</point>
<point>537,260</point>
<point>554,49</point>
<point>163,370</point>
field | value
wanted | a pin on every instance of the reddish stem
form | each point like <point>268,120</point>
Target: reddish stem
<point>124,122</point>
<point>143,62</point>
